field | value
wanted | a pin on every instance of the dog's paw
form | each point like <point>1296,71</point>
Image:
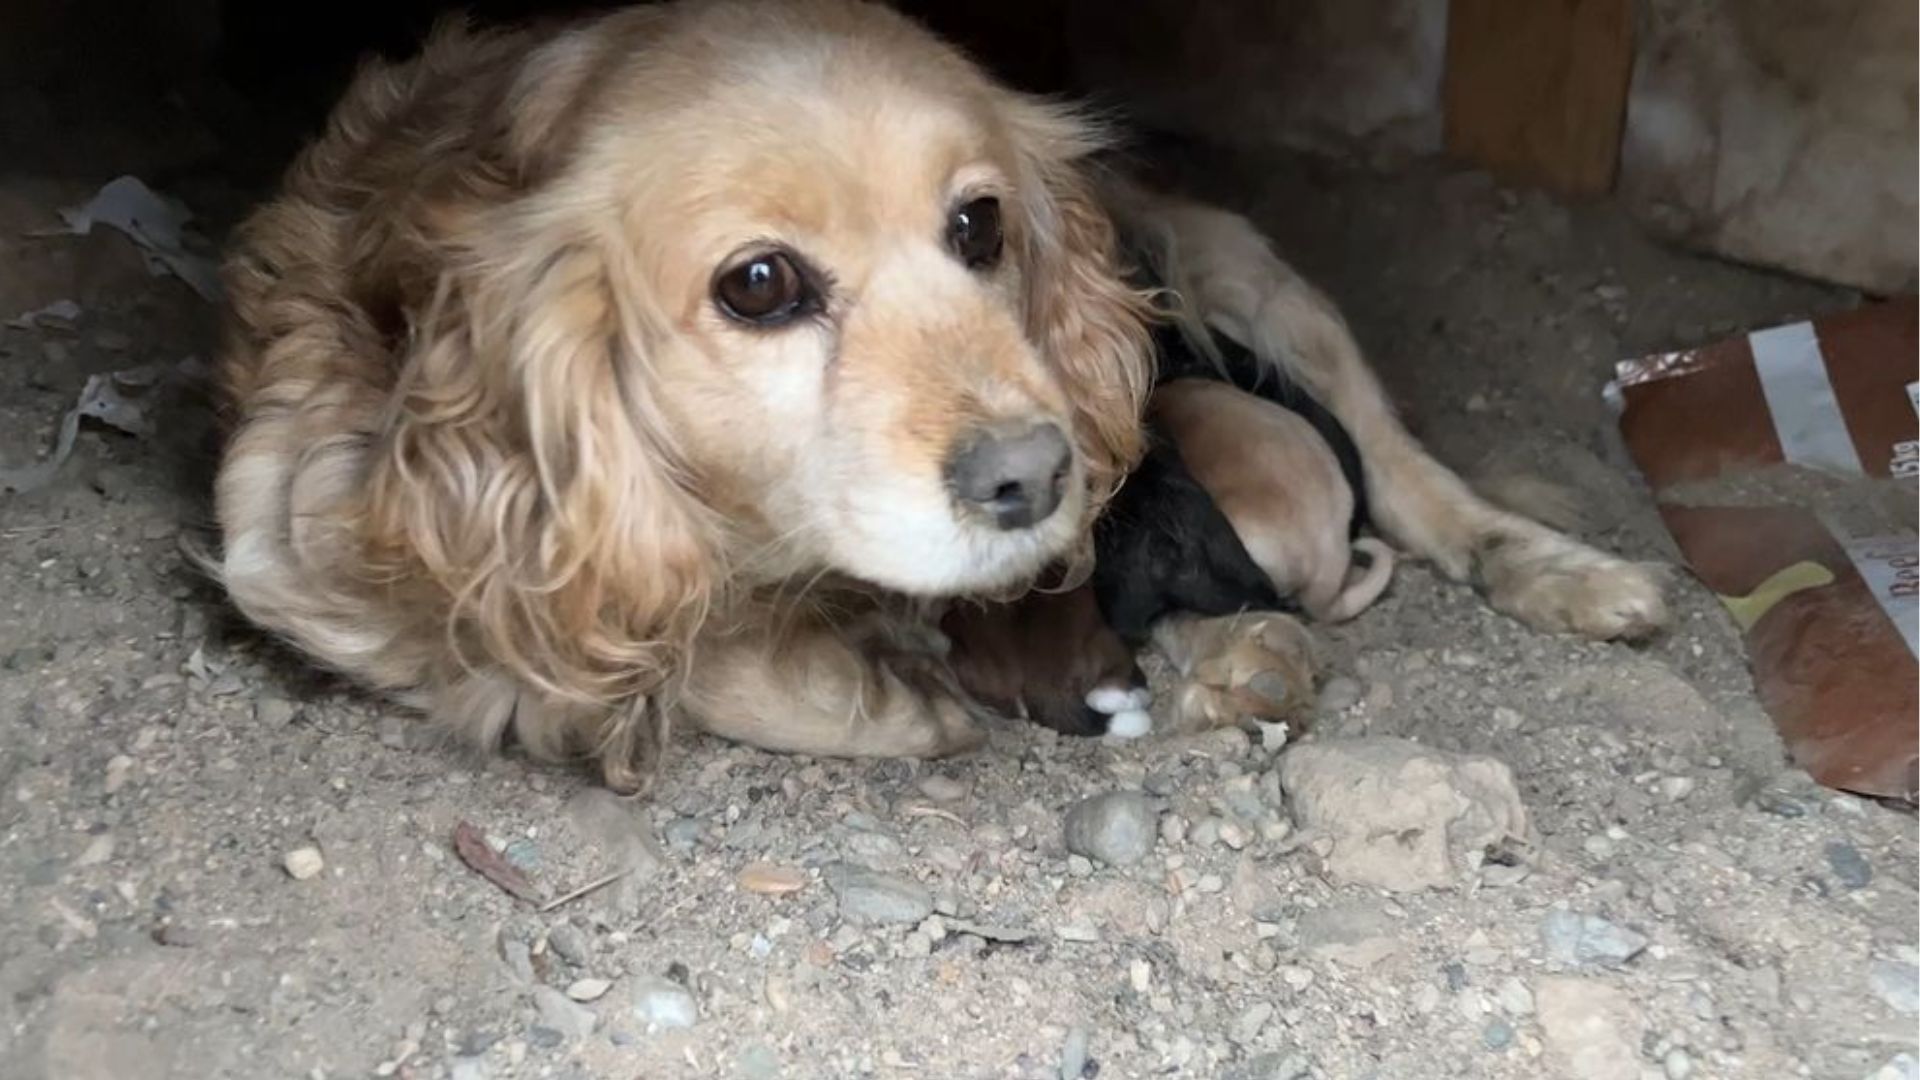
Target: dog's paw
<point>1557,584</point>
<point>1254,666</point>
<point>1120,711</point>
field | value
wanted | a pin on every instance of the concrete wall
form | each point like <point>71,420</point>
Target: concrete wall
<point>1779,132</point>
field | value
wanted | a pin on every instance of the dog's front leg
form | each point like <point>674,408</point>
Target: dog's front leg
<point>815,688</point>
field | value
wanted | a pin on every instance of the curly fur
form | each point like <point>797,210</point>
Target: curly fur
<point>476,458</point>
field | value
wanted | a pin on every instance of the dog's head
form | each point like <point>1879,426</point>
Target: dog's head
<point>821,281</point>
<point>766,291</point>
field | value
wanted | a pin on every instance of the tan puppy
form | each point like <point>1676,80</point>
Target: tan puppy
<point>1278,482</point>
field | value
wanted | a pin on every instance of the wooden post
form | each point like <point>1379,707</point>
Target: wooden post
<point>1536,90</point>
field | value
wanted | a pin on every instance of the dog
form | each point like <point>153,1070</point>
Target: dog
<point>675,362</point>
<point>1278,482</point>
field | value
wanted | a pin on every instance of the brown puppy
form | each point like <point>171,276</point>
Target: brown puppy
<point>1278,482</point>
<point>1050,658</point>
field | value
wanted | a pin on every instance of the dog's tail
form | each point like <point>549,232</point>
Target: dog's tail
<point>1364,583</point>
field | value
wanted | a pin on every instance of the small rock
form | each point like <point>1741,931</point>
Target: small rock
<point>916,946</point>
<point>518,958</point>
<point>1073,1054</point>
<point>1902,1066</point>
<point>1850,868</point>
<point>1675,788</point>
<point>872,898</point>
<point>1338,695</point>
<point>393,732</point>
<point>1354,935</point>
<point>1140,976</point>
<point>684,834</point>
<point>119,768</point>
<point>1116,828</point>
<point>1497,1035</point>
<point>1080,933</point>
<point>1400,816</point>
<point>273,711</point>
<point>1588,940</point>
<point>942,788</point>
<point>1514,998</point>
<point>303,864</point>
<point>1780,804</point>
<point>757,1061</point>
<point>1591,1030</point>
<point>1247,1028</point>
<point>1676,1064</point>
<point>770,879</point>
<point>98,850</point>
<point>588,989</point>
<point>664,1005</point>
<point>468,1068</point>
<point>564,1015</point>
<point>1897,983</point>
<point>570,944</point>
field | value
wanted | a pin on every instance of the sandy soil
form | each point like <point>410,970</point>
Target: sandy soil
<point>159,764</point>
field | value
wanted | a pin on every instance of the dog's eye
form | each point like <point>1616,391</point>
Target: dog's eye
<point>974,233</point>
<point>766,290</point>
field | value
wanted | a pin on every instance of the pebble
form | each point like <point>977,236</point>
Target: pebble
<point>942,788</point>
<point>570,944</point>
<point>1897,983</point>
<point>564,1015</point>
<point>1675,788</point>
<point>1073,1054</point>
<point>683,834</point>
<point>1116,828</point>
<point>1232,835</point>
<point>98,851</point>
<point>1497,1035</point>
<point>468,1068</point>
<point>303,864</point>
<point>1140,976</point>
<point>273,712</point>
<point>757,1061</point>
<point>1677,1065</point>
<point>1514,998</point>
<point>770,879</point>
<point>872,898</point>
<point>1247,1028</point>
<point>1588,940</point>
<point>664,1005</point>
<point>1850,867</point>
<point>1077,932</point>
<point>119,768</point>
<point>588,989</point>
<point>1339,695</point>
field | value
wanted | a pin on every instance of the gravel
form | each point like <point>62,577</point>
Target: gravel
<point>1116,828</point>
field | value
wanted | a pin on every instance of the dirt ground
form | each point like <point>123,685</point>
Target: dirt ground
<point>160,766</point>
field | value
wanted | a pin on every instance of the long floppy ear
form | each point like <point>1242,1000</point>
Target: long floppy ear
<point>528,475</point>
<point>1091,325</point>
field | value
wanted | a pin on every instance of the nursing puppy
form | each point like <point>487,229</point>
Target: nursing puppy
<point>1277,480</point>
<point>1051,658</point>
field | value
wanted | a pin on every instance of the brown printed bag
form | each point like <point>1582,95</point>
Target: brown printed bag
<point>1784,463</point>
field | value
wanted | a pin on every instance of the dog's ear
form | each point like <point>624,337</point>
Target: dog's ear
<point>529,475</point>
<point>1091,325</point>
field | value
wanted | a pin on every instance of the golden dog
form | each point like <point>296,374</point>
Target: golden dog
<point>669,363</point>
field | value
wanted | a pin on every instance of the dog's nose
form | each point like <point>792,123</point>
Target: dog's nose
<point>1014,475</point>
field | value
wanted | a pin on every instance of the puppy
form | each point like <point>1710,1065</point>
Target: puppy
<point>1277,480</point>
<point>1050,657</point>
